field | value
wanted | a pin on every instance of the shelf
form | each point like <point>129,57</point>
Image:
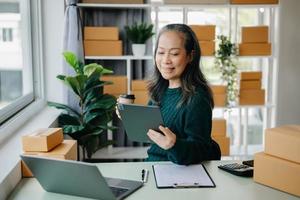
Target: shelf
<point>246,106</point>
<point>128,57</point>
<point>115,6</point>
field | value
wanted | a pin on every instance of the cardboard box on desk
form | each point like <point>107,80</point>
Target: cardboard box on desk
<point>218,127</point>
<point>277,173</point>
<point>255,34</point>
<point>204,32</point>
<point>251,75</point>
<point>254,1</point>
<point>42,139</point>
<point>119,85</point>
<point>103,48</point>
<point>252,97</point>
<point>101,33</point>
<point>255,49</point>
<point>114,1</point>
<point>224,143</point>
<point>250,84</point>
<point>207,48</point>
<point>67,150</point>
<point>283,142</point>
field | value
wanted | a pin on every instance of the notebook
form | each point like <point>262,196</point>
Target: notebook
<point>138,119</point>
<point>78,178</point>
<point>181,176</point>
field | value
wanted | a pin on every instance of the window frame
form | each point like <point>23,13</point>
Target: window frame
<point>19,111</point>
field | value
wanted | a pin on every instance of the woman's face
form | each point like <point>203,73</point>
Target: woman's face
<point>171,57</point>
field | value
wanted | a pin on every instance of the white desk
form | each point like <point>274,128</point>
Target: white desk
<point>227,186</point>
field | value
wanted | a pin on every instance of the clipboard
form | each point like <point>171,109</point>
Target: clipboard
<point>180,176</point>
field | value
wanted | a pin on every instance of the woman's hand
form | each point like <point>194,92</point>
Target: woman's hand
<point>165,140</point>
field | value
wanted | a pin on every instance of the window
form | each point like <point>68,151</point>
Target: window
<point>16,74</point>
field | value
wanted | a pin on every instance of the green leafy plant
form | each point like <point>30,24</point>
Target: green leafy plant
<point>139,33</point>
<point>96,108</point>
<point>225,62</point>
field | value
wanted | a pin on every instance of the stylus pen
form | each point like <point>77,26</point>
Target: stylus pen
<point>145,173</point>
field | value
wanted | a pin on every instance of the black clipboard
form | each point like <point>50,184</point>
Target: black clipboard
<point>170,175</point>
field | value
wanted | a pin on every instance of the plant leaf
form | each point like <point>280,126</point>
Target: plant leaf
<point>64,107</point>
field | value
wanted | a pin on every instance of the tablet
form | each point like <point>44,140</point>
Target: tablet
<point>138,119</point>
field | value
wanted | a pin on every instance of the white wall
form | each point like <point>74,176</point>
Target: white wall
<point>53,21</point>
<point>288,99</point>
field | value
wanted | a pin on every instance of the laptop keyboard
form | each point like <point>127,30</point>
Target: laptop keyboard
<point>118,191</point>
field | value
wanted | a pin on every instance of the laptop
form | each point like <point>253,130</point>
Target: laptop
<point>78,178</point>
<point>138,119</point>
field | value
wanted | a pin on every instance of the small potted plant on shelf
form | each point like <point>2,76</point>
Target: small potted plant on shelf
<point>96,109</point>
<point>138,34</point>
<point>225,62</point>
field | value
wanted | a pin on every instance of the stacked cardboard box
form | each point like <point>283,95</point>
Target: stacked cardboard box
<point>218,134</point>
<point>48,143</point>
<point>102,41</point>
<point>255,41</point>
<point>206,36</point>
<point>139,89</point>
<point>250,89</point>
<point>118,86</point>
<point>219,94</point>
<point>279,165</point>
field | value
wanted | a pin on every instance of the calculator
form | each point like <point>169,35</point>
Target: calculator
<point>238,169</point>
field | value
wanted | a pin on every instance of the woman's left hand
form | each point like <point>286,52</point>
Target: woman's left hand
<point>165,140</point>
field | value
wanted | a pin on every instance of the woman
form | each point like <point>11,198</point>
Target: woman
<point>185,99</point>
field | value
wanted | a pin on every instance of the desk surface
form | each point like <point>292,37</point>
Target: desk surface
<point>227,186</point>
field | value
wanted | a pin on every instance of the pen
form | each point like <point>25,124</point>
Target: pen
<point>145,173</point>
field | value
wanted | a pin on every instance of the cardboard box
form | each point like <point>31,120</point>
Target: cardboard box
<point>224,143</point>
<point>114,1</point>
<point>254,1</point>
<point>218,89</point>
<point>277,173</point>
<point>118,87</point>
<point>207,48</point>
<point>26,173</point>
<point>255,34</point>
<point>250,84</point>
<point>204,32</point>
<point>255,49</point>
<point>101,33</point>
<point>196,1</point>
<point>218,127</point>
<point>42,139</point>
<point>251,75</point>
<point>67,150</point>
<point>220,99</point>
<point>103,48</point>
<point>141,97</point>
<point>137,85</point>
<point>252,97</point>
<point>283,142</point>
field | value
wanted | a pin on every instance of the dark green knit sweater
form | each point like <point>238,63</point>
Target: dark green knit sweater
<point>192,125</point>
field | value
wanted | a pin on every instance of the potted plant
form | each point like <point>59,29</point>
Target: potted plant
<point>96,108</point>
<point>225,62</point>
<point>138,34</point>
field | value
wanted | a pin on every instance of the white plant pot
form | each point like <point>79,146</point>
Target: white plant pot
<point>138,49</point>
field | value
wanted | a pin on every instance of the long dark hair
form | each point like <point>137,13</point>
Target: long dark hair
<point>191,77</point>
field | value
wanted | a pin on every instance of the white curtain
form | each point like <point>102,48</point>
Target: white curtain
<point>72,41</point>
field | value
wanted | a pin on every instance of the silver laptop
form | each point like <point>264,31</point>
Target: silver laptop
<point>78,178</point>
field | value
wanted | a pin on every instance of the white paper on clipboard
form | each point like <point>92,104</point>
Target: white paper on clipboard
<point>176,176</point>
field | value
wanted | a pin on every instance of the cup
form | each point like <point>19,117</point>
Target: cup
<point>126,98</point>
